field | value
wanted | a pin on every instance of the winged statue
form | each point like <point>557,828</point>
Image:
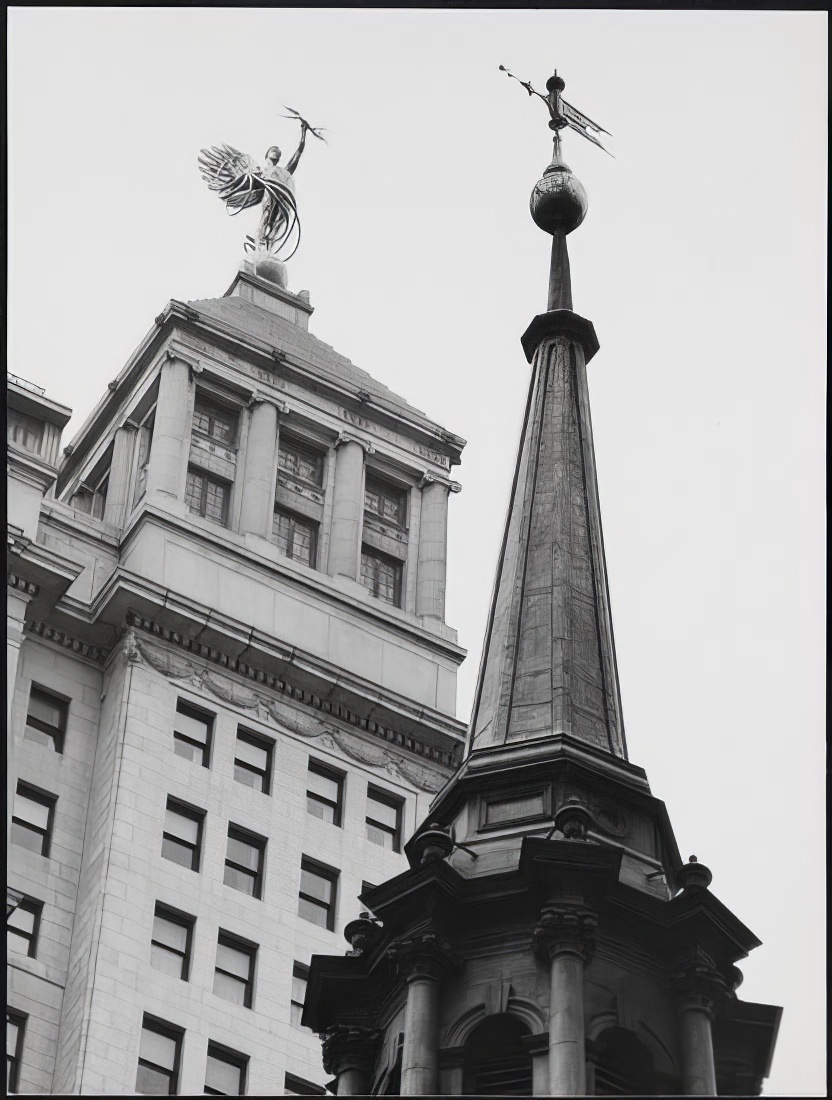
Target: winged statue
<point>241,183</point>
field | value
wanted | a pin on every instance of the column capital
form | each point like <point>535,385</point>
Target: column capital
<point>348,437</point>
<point>259,398</point>
<point>193,365</point>
<point>700,988</point>
<point>565,930</point>
<point>437,479</point>
<point>349,1047</point>
<point>425,955</point>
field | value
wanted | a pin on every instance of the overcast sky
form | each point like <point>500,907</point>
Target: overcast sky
<point>701,263</point>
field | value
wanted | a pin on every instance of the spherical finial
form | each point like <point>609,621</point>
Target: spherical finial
<point>555,82</point>
<point>558,203</point>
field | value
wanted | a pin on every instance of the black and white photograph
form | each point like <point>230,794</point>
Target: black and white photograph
<point>416,551</point>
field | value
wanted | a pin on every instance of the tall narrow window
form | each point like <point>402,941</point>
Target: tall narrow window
<point>15,1028</point>
<point>22,927</point>
<point>317,895</point>
<point>225,1071</point>
<point>324,792</point>
<point>300,976</point>
<point>234,972</point>
<point>182,836</point>
<point>296,536</point>
<point>300,461</point>
<point>216,422</point>
<point>46,719</point>
<point>384,819</point>
<point>382,576</point>
<point>253,761</point>
<point>32,819</point>
<point>244,861</point>
<point>170,947</point>
<point>207,496</point>
<point>145,440</point>
<point>159,1054</point>
<point>192,734</point>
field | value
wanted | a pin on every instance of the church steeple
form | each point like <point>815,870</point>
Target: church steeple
<point>548,666</point>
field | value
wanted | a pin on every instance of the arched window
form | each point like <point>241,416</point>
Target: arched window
<point>496,1062</point>
<point>623,1065</point>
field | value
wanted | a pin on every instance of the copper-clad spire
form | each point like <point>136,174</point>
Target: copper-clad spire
<point>548,666</point>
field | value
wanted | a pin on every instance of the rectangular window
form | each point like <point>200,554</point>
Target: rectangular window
<point>159,1053</point>
<point>32,819</point>
<point>384,819</point>
<point>253,761</point>
<point>22,927</point>
<point>234,972</point>
<point>46,719</point>
<point>225,1072</point>
<point>324,792</point>
<point>182,836</point>
<point>192,734</point>
<point>170,947</point>
<point>300,976</point>
<point>385,501</point>
<point>298,1086</point>
<point>317,896</point>
<point>300,461</point>
<point>296,536</point>
<point>207,496</point>
<point>382,576</point>
<point>244,859</point>
<point>145,440</point>
<point>217,423</point>
<point>15,1027</point>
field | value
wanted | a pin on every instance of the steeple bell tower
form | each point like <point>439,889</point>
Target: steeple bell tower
<point>547,939</point>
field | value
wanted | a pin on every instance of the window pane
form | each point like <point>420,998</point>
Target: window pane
<point>215,501</point>
<point>231,989</point>
<point>50,739</point>
<point>27,838</point>
<point>152,1082</point>
<point>298,988</point>
<point>248,855</point>
<point>301,462</point>
<point>313,912</point>
<point>185,828</point>
<point>240,880</point>
<point>233,960</point>
<point>193,491</point>
<point>379,836</point>
<point>252,779</point>
<point>170,933</point>
<point>322,810</point>
<point>223,1075</point>
<point>27,809</point>
<point>193,726</point>
<point>22,920</point>
<point>157,1048</point>
<point>255,755</point>
<point>166,961</point>
<point>316,886</point>
<point>382,812</point>
<point>178,852</point>
<point>324,785</point>
<point>46,709</point>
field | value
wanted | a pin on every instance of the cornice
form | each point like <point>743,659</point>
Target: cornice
<point>67,641</point>
<point>178,666</point>
<point>19,584</point>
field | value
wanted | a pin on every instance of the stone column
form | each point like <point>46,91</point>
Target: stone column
<point>171,430</point>
<point>564,939</point>
<point>260,467</point>
<point>348,506</point>
<point>699,989</point>
<point>433,546</point>
<point>121,467</point>
<point>422,960</point>
<point>349,1054</point>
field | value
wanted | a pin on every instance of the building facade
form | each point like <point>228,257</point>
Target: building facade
<point>231,695</point>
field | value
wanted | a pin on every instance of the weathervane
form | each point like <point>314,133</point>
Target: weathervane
<point>240,183</point>
<point>562,113</point>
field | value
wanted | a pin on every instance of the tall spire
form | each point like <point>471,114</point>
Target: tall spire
<point>548,667</point>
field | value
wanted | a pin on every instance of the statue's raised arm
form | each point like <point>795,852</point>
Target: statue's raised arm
<point>241,184</point>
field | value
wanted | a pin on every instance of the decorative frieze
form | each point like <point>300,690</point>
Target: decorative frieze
<point>19,584</point>
<point>179,667</point>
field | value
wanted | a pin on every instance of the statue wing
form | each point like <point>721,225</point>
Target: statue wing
<point>233,175</point>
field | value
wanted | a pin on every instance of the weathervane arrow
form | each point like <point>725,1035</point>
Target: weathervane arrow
<point>563,113</point>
